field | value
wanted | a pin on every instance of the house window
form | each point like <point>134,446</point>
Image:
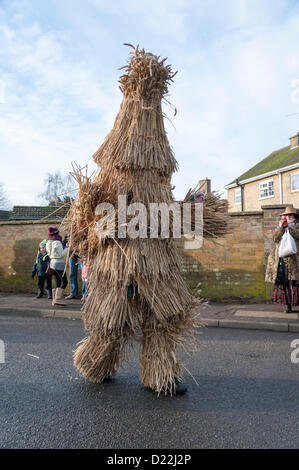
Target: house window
<point>266,189</point>
<point>238,196</point>
<point>295,182</point>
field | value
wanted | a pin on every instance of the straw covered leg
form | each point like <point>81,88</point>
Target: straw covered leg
<point>97,356</point>
<point>160,365</point>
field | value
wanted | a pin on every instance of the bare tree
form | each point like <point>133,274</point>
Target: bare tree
<point>4,202</point>
<point>58,189</point>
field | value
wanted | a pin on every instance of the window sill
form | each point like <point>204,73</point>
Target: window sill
<point>266,197</point>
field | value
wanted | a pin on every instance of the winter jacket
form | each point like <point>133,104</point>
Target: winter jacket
<point>56,253</point>
<point>40,265</point>
<point>291,262</point>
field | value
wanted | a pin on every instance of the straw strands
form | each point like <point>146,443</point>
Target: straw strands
<point>136,289</point>
<point>215,214</point>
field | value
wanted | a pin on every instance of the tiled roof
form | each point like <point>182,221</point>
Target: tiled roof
<point>276,160</point>
<point>4,215</point>
<point>38,212</point>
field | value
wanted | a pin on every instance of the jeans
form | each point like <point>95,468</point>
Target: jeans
<point>84,289</point>
<point>73,275</point>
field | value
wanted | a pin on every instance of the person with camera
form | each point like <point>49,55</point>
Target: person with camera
<point>283,272</point>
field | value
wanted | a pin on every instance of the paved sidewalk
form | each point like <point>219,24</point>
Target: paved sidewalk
<point>261,316</point>
<point>27,304</point>
<point>264,316</point>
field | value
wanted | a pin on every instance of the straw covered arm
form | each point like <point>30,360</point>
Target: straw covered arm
<point>215,212</point>
<point>80,217</point>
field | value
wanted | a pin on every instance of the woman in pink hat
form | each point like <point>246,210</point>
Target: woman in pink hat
<point>57,252</point>
<point>284,272</point>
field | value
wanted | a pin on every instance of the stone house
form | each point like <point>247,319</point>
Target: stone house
<point>272,181</point>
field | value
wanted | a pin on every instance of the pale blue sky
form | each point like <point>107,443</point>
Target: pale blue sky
<point>238,78</point>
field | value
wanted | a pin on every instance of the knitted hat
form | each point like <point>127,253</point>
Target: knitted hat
<point>290,210</point>
<point>42,243</point>
<point>53,234</point>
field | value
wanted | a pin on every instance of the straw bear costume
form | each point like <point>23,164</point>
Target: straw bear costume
<point>136,289</point>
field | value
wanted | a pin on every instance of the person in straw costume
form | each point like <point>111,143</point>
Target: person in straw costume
<point>136,289</point>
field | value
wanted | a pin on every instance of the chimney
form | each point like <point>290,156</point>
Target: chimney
<point>294,141</point>
<point>205,185</point>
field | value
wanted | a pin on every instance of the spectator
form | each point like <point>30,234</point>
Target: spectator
<point>283,272</point>
<point>74,262</point>
<point>84,280</point>
<point>56,253</point>
<point>40,266</point>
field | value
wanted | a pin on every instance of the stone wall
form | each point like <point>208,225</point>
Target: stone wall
<point>234,268</point>
<point>18,248</point>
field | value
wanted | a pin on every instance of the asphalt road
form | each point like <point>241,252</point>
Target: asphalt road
<point>248,394</point>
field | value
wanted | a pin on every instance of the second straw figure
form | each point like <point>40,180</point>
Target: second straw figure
<point>136,289</point>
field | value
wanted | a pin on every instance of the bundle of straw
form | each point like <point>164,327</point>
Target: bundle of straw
<point>215,212</point>
<point>136,290</point>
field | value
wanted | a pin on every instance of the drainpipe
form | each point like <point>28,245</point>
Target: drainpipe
<point>280,187</point>
<point>242,199</point>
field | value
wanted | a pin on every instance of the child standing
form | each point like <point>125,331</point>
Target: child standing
<point>84,280</point>
<point>40,265</point>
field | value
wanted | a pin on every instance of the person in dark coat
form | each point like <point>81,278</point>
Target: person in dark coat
<point>283,272</point>
<point>40,265</point>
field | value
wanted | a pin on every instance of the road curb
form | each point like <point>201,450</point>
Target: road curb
<point>46,313</point>
<point>251,325</point>
<point>210,322</point>
<point>293,327</point>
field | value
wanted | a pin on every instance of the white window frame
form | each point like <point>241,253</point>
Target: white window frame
<point>266,197</point>
<point>293,190</point>
<point>239,191</point>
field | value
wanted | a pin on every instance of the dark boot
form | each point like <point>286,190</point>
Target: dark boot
<point>49,292</point>
<point>107,377</point>
<point>288,309</point>
<point>39,294</point>
<point>179,389</point>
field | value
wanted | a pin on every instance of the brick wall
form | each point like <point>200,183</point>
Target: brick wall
<point>18,247</point>
<point>235,268</point>
<point>232,269</point>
